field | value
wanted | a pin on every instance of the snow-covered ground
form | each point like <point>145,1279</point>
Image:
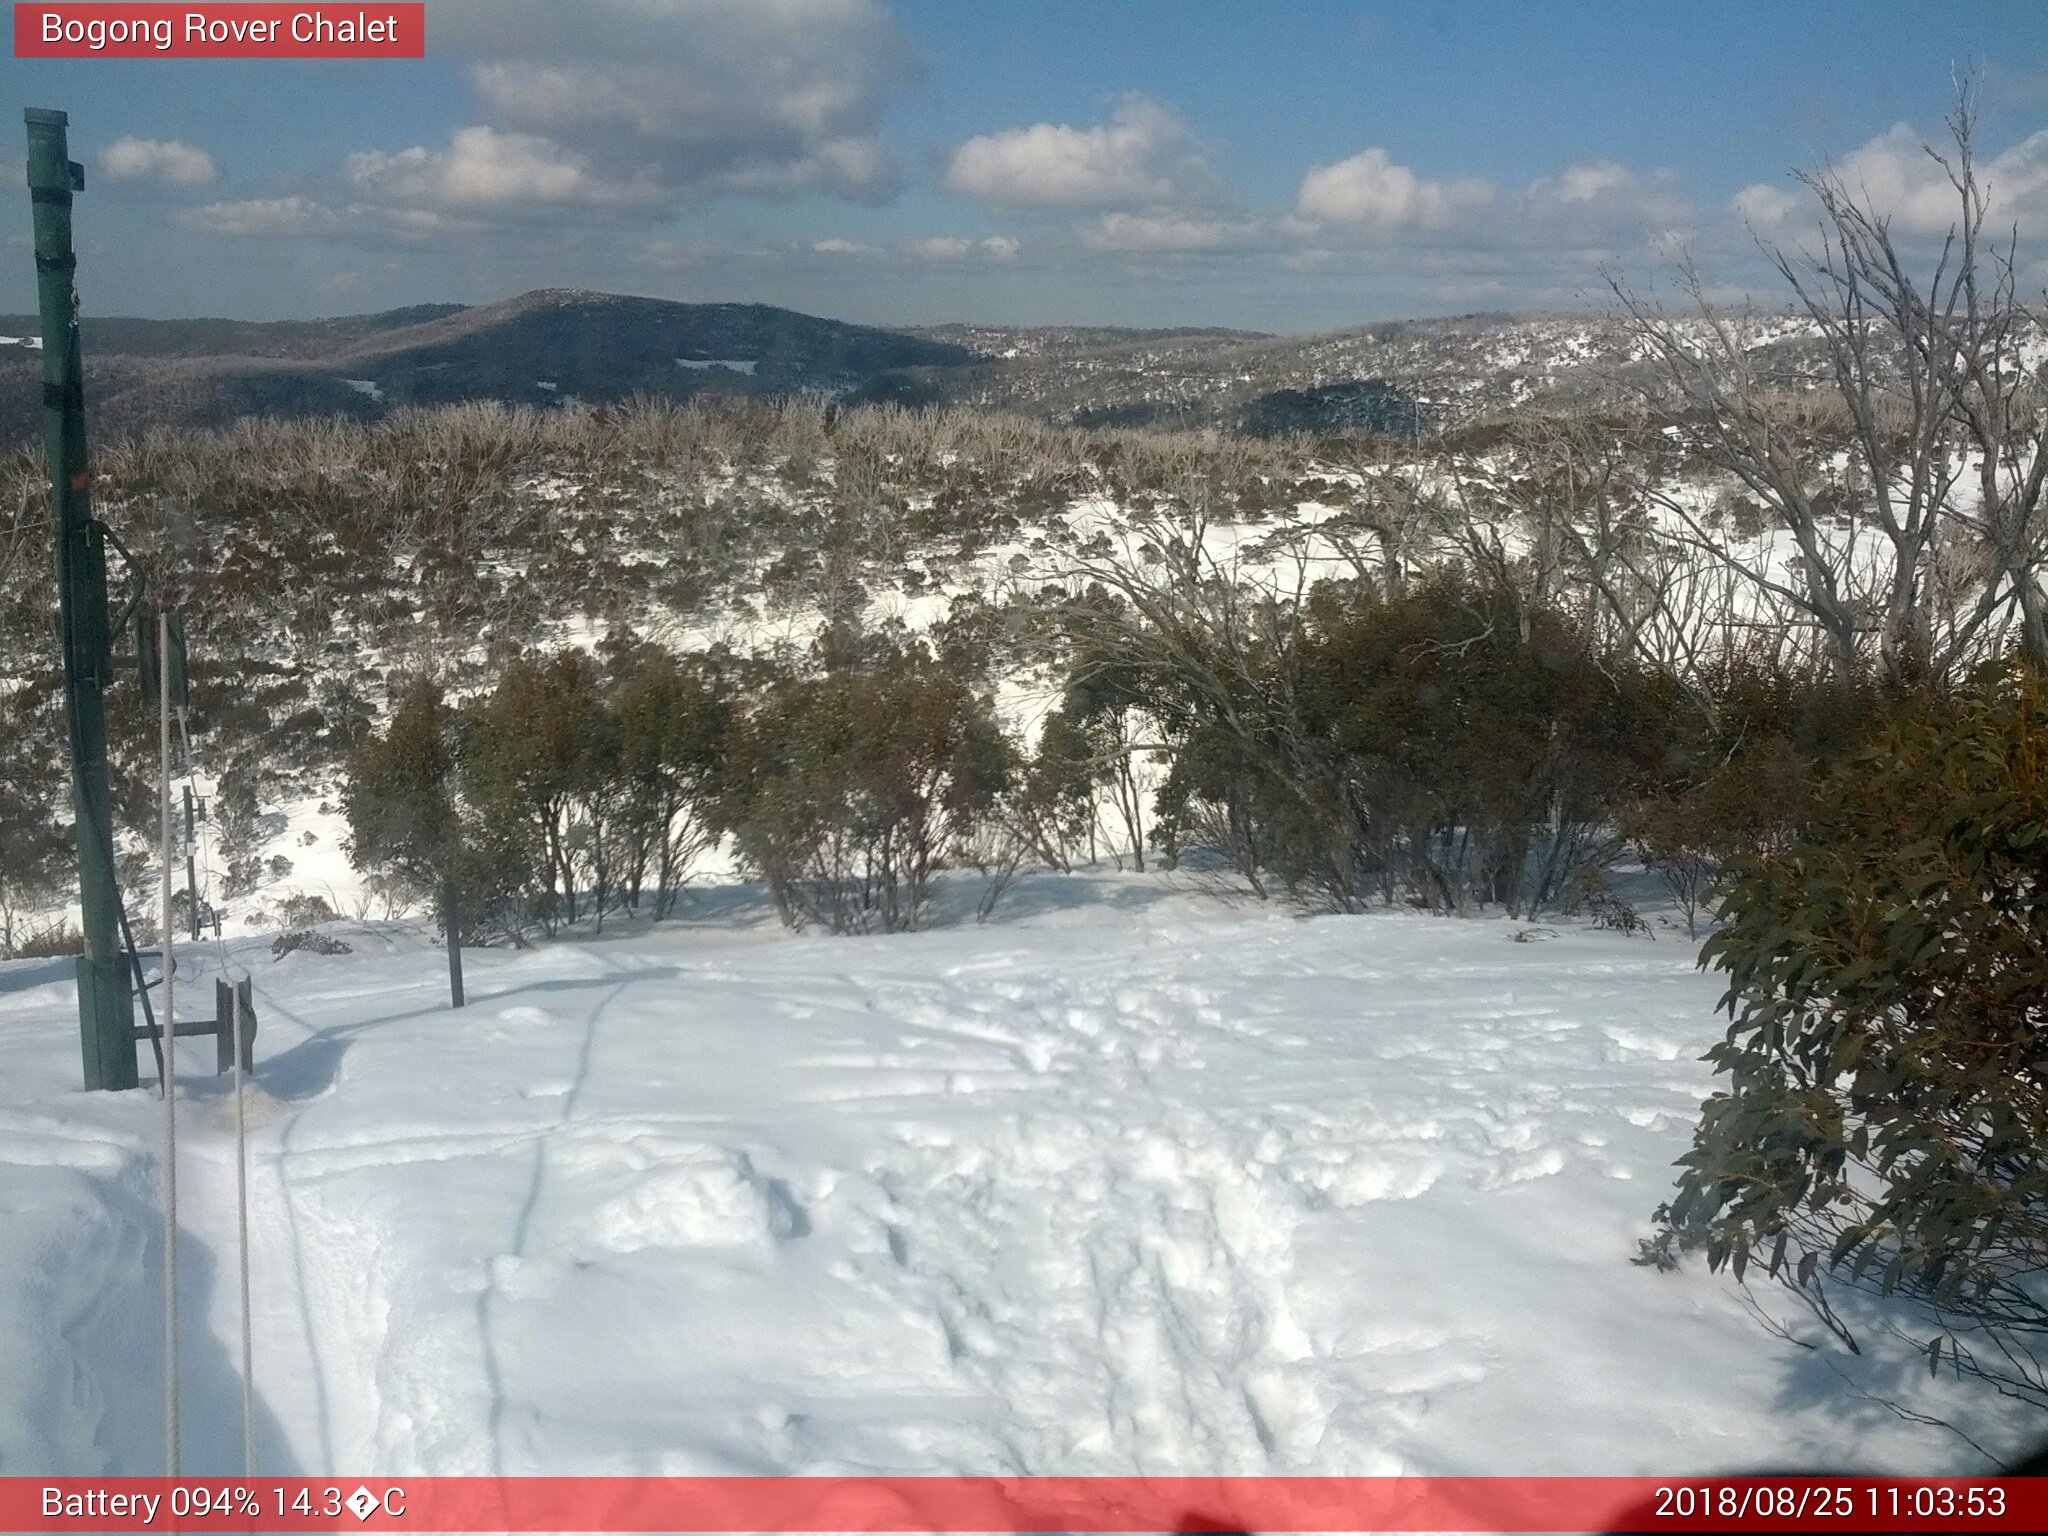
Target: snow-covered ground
<point>1136,1178</point>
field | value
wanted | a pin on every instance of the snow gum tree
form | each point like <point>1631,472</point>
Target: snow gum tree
<point>847,791</point>
<point>553,797</point>
<point>541,752</point>
<point>1905,473</point>
<point>673,716</point>
<point>1448,745</point>
<point>398,795</point>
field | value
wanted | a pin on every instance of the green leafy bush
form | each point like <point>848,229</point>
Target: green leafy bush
<point>398,795</point>
<point>847,791</point>
<point>1883,1121</point>
<point>539,754</point>
<point>1435,745</point>
<point>673,715</point>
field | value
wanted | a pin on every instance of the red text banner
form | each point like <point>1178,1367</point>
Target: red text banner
<point>1079,1504</point>
<point>320,31</point>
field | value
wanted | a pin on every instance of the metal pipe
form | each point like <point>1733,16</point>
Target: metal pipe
<point>105,1009</point>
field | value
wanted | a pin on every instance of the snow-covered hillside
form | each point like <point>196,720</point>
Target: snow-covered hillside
<point>1459,371</point>
<point>1134,1179</point>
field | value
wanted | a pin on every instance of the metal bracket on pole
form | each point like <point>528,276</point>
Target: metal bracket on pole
<point>233,1025</point>
<point>131,607</point>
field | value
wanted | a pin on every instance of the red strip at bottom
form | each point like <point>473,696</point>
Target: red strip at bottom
<point>1024,1504</point>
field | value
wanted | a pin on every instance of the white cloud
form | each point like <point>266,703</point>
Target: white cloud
<point>1313,258</point>
<point>948,248</point>
<point>1143,156</point>
<point>1162,232</point>
<point>160,160</point>
<point>263,218</point>
<point>1672,244</point>
<point>414,224</point>
<point>298,217</point>
<point>1587,182</point>
<point>631,108</point>
<point>1762,205</point>
<point>942,250</point>
<point>1371,189</point>
<point>701,96</point>
<point>1894,172</point>
<point>1587,212</point>
<point>1899,179</point>
<point>861,169</point>
<point>1894,176</point>
<point>483,168</point>
<point>1604,199</point>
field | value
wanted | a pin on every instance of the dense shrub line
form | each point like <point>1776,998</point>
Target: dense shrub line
<point>581,785</point>
<point>1441,744</point>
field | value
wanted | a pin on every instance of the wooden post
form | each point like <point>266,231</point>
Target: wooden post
<point>451,927</point>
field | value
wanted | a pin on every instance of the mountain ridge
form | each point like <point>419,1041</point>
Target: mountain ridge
<point>554,346</point>
<point>546,346</point>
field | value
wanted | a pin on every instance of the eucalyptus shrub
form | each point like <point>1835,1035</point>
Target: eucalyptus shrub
<point>1433,744</point>
<point>847,791</point>
<point>1882,1119</point>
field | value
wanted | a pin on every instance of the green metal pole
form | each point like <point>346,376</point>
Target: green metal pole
<point>105,1007</point>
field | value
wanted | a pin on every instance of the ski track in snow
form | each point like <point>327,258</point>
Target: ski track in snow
<point>1093,1191</point>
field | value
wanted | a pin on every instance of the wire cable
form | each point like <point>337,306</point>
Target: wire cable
<point>170,1054</point>
<point>240,1024</point>
<point>242,1235</point>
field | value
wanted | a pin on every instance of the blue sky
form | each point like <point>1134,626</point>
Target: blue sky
<point>1279,166</point>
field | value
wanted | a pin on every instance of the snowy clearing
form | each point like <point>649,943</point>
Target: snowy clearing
<point>1137,1178</point>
